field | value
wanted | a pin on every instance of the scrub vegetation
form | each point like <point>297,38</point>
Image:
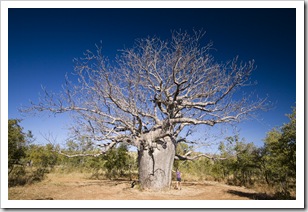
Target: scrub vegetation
<point>268,170</point>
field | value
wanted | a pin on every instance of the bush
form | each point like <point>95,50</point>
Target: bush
<point>21,176</point>
<point>118,161</point>
<point>17,176</point>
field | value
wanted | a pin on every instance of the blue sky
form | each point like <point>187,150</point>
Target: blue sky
<point>43,43</point>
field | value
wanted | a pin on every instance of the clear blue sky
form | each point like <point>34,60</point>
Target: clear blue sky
<point>43,43</point>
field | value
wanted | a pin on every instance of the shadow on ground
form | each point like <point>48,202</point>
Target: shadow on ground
<point>254,196</point>
<point>195,184</point>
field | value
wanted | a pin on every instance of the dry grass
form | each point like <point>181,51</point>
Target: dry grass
<point>79,186</point>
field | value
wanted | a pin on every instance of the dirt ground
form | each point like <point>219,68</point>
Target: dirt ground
<point>80,187</point>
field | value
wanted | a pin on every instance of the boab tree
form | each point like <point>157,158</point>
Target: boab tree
<point>149,94</point>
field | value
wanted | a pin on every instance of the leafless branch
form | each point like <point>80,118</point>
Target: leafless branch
<point>186,157</point>
<point>81,155</point>
<point>152,90</point>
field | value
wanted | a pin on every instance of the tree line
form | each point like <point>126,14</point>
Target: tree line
<point>29,162</point>
<point>238,162</point>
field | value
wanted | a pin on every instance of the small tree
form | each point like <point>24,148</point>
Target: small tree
<point>43,157</point>
<point>246,164</point>
<point>117,161</point>
<point>17,140</point>
<point>149,94</point>
<point>279,157</point>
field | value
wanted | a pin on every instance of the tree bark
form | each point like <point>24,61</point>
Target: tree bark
<point>155,165</point>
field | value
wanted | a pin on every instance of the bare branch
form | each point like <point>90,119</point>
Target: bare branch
<point>155,88</point>
<point>186,157</point>
<point>81,155</point>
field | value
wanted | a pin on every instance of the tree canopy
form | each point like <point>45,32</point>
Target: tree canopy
<point>279,155</point>
<point>16,142</point>
<point>149,94</point>
<point>152,91</point>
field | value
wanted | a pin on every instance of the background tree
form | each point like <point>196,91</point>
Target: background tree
<point>79,147</point>
<point>21,153</point>
<point>42,156</point>
<point>149,94</point>
<point>224,168</point>
<point>117,161</point>
<point>17,140</point>
<point>279,157</point>
<point>241,164</point>
<point>246,164</point>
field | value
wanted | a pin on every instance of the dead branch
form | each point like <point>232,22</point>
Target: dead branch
<point>187,157</point>
<point>81,155</point>
<point>155,86</point>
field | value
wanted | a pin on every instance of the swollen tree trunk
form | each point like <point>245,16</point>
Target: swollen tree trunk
<point>155,165</point>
